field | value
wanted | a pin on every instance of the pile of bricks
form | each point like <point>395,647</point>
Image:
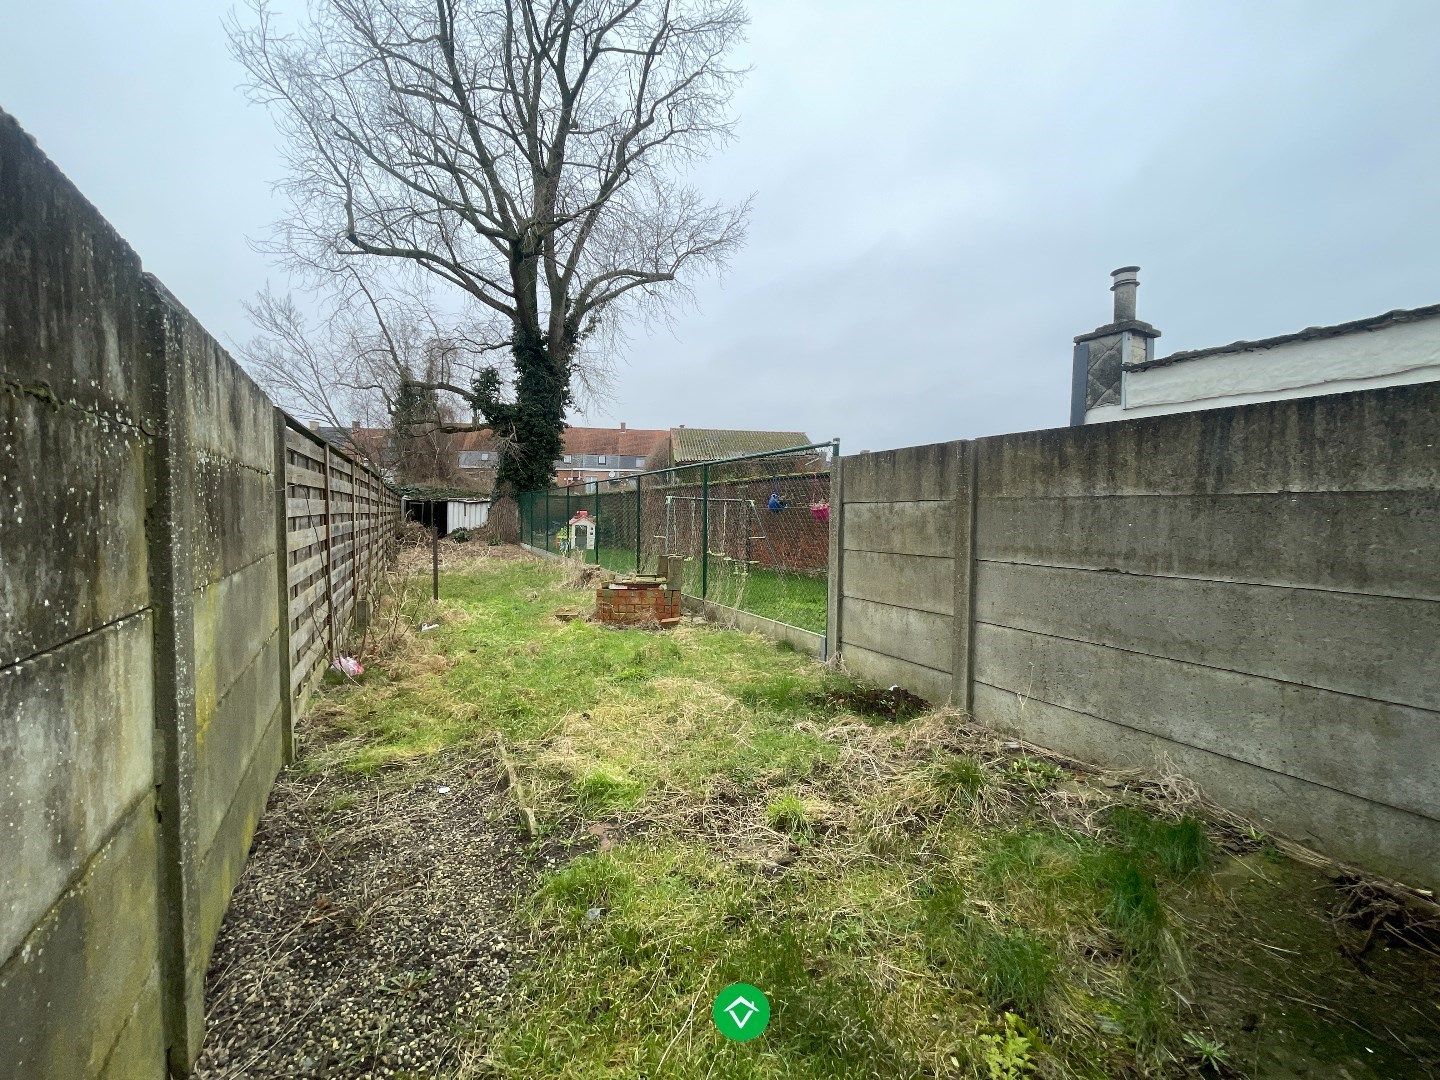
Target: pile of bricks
<point>636,603</point>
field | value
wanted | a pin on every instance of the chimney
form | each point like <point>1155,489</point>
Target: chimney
<point>354,425</point>
<point>1105,354</point>
<point>622,425</point>
<point>1126,281</point>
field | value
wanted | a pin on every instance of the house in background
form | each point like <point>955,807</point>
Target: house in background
<point>593,453</point>
<point>1117,375</point>
<point>469,461</point>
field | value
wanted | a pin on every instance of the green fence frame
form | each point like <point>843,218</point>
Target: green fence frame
<point>538,508</point>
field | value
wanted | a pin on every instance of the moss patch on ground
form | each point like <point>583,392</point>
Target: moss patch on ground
<point>916,897</point>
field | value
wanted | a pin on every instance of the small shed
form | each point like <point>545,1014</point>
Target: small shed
<point>467,513</point>
<point>447,515</point>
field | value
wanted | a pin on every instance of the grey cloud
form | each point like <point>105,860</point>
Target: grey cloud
<point>941,190</point>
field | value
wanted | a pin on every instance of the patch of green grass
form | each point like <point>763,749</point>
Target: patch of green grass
<point>957,775</point>
<point>797,599</point>
<point>644,936</point>
<point>791,597</point>
<point>1179,847</point>
<point>1016,968</point>
<point>1034,773</point>
<point>601,791</point>
<point>787,813</point>
<point>339,804</point>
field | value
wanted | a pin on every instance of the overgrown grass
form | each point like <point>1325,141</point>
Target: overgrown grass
<point>915,899</point>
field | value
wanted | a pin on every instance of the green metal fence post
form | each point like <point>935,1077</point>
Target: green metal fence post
<point>595,501</point>
<point>704,531</point>
<point>568,514</point>
<point>549,528</point>
<point>637,524</point>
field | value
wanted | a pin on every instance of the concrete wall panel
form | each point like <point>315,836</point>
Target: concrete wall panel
<point>1370,646</point>
<point>882,628</point>
<point>234,619</point>
<point>1378,440</point>
<point>72,336</point>
<point>144,665</point>
<point>224,857</point>
<point>230,739</point>
<point>914,474</point>
<point>233,523</point>
<point>1362,541</point>
<point>1389,841</point>
<point>229,414</point>
<point>885,670</point>
<point>904,528</point>
<point>72,523</point>
<point>75,754</point>
<point>86,973</point>
<point>1250,592</point>
<point>914,581</point>
<point>1350,744</point>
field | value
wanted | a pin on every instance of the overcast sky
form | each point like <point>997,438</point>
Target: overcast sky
<point>941,190</point>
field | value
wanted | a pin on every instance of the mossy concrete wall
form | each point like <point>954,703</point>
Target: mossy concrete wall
<point>144,664</point>
<point>1246,596</point>
<point>80,971</point>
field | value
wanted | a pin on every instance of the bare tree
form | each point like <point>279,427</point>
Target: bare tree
<point>377,356</point>
<point>530,153</point>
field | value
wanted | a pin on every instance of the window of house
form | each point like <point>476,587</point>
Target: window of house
<point>567,459</point>
<point>602,459</point>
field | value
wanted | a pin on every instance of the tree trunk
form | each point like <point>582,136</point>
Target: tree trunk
<point>542,394</point>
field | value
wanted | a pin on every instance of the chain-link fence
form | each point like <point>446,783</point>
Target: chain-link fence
<point>754,531</point>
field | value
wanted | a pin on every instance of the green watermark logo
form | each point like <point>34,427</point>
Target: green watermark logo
<point>741,1012</point>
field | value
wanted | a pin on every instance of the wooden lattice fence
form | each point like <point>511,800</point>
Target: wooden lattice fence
<point>340,521</point>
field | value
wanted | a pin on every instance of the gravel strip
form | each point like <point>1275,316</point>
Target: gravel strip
<point>370,934</point>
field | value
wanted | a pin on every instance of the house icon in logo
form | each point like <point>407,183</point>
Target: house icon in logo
<point>741,1010</point>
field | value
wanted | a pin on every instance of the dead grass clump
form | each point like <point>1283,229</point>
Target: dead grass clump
<point>1384,912</point>
<point>582,575</point>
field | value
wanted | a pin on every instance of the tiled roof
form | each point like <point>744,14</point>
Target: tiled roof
<point>366,442</point>
<point>624,442</point>
<point>709,444</point>
<point>480,439</point>
<point>1312,333</point>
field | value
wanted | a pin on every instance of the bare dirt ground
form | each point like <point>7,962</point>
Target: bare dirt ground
<point>369,934</point>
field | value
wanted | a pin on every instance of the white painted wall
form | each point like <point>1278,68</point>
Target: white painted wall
<point>1406,352</point>
<point>466,515</point>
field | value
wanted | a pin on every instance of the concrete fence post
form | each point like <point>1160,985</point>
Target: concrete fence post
<point>182,955</point>
<point>282,582</point>
<point>962,651</point>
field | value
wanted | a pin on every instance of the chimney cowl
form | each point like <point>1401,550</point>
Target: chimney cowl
<point>1125,281</point>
